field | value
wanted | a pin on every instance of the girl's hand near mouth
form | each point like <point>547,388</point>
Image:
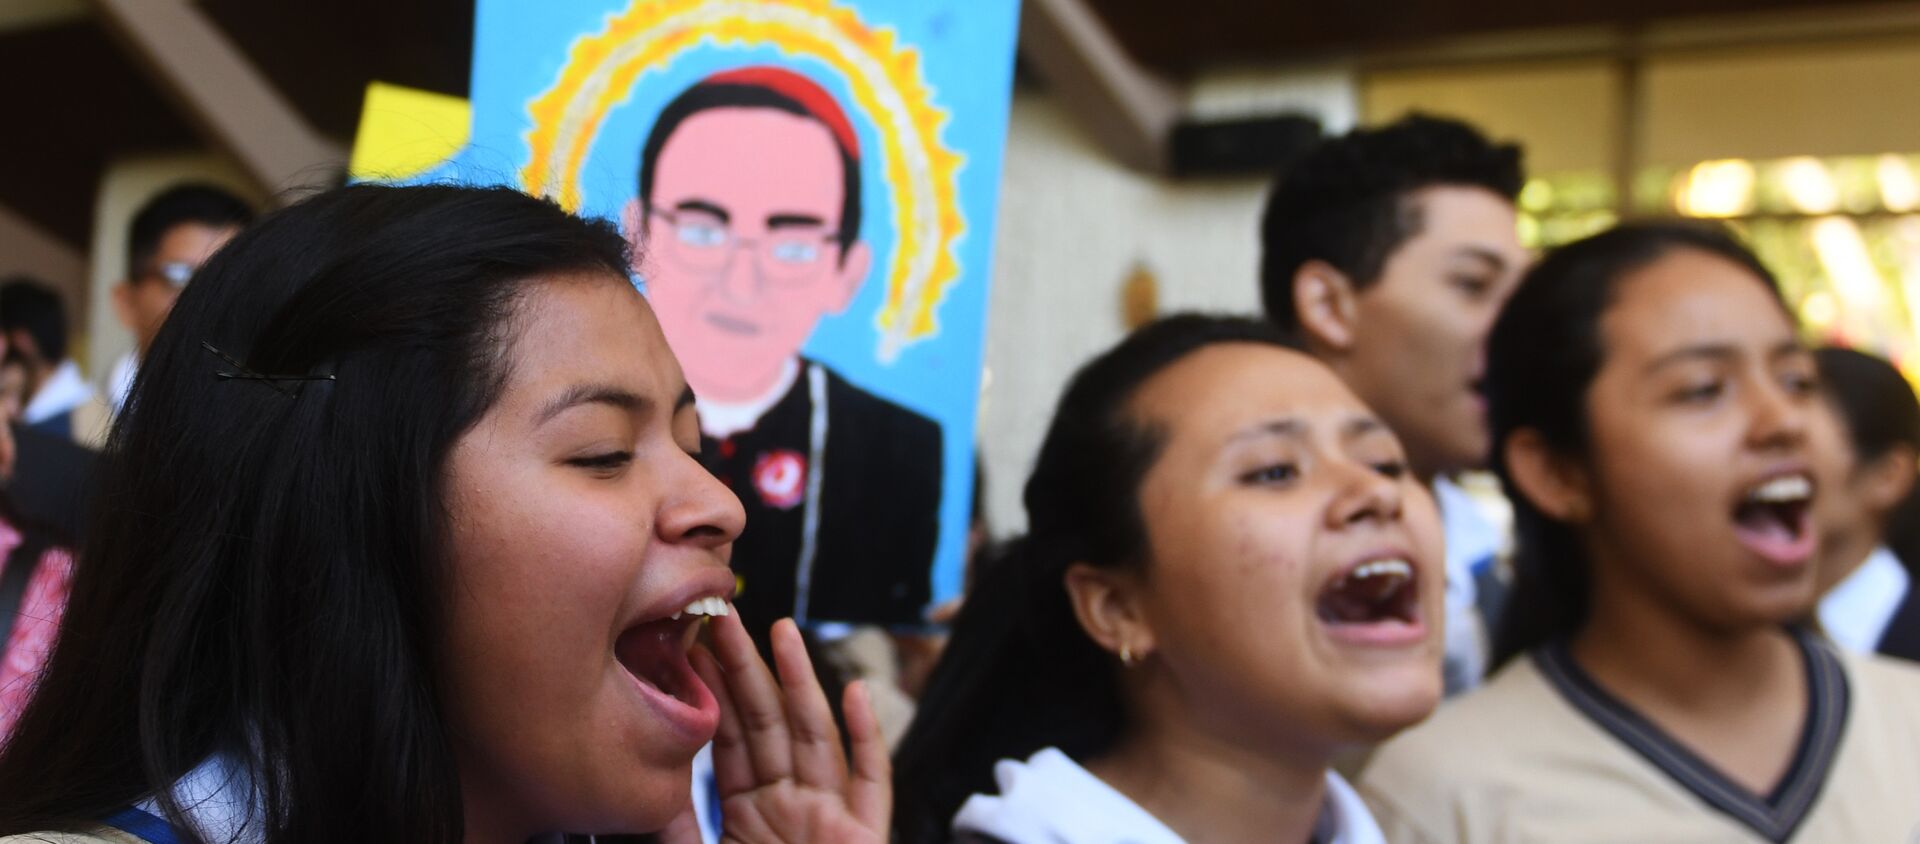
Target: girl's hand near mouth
<point>777,758</point>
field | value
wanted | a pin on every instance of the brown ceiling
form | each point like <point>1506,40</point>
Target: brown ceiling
<point>74,102</point>
<point>1211,31</point>
<point>92,104</point>
<point>322,56</point>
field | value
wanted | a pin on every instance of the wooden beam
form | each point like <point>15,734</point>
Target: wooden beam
<point>1682,36</point>
<point>17,15</point>
<point>1125,108</point>
<point>27,248</point>
<point>231,104</point>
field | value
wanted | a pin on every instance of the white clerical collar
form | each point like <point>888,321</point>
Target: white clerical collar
<point>1855,612</point>
<point>721,420</point>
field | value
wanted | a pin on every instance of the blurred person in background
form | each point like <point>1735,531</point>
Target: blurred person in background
<point>1230,576</point>
<point>1652,407</point>
<point>1386,253</point>
<point>1869,508</point>
<point>46,476</point>
<point>58,399</point>
<point>36,572</point>
<point>169,238</point>
<point>13,387</point>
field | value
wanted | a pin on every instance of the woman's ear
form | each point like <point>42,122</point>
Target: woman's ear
<point>1107,603</point>
<point>1554,483</point>
<point>1886,480</point>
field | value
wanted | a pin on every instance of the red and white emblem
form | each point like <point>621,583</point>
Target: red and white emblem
<point>780,476</point>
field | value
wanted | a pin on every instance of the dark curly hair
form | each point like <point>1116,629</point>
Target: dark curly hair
<point>1345,201</point>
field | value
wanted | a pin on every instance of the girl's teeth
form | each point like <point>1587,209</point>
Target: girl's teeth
<point>1386,567</point>
<point>1790,488</point>
<point>705,606</point>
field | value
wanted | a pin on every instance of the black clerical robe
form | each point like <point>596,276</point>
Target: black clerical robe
<point>842,494</point>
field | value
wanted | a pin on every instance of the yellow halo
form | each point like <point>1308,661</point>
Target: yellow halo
<point>887,87</point>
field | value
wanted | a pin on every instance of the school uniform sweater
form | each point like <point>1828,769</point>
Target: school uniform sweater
<point>1543,753</point>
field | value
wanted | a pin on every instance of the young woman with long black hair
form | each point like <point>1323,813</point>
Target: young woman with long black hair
<point>1869,507</point>
<point>403,538</point>
<point>1229,577</point>
<point>1651,407</point>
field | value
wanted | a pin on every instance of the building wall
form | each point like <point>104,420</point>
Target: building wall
<point>26,249</point>
<point>1073,225</point>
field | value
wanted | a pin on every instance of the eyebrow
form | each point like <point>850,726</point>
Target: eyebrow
<point>1707,351</point>
<point>1289,428</point>
<point>1491,258</point>
<point>605,394</point>
<point>1787,349</point>
<point>1295,429</point>
<point>1362,426</point>
<point>780,221</point>
<point>703,207</point>
<point>1722,352</point>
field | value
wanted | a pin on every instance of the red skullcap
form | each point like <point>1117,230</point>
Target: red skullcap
<point>818,104</point>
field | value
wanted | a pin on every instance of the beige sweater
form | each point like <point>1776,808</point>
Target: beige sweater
<point>1525,759</point>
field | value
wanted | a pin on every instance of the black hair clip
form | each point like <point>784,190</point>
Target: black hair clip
<point>242,373</point>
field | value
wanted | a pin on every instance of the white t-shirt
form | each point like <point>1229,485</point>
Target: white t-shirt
<point>1050,799</point>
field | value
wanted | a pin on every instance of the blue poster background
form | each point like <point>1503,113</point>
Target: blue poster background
<point>965,50</point>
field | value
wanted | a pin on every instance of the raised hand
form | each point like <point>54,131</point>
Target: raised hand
<point>777,758</point>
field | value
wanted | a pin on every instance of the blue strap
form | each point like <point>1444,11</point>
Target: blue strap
<point>714,818</point>
<point>141,824</point>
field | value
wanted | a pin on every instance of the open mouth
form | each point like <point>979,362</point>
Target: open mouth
<point>1375,592</point>
<point>655,653</point>
<point>1774,518</point>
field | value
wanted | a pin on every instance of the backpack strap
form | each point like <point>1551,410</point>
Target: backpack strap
<point>143,825</point>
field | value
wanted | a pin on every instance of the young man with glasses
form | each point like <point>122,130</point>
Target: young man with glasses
<point>170,237</point>
<point>747,233</point>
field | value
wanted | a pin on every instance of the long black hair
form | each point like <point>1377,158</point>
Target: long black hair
<point>1542,357</point>
<point>1880,411</point>
<point>262,579</point>
<point>1019,673</point>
